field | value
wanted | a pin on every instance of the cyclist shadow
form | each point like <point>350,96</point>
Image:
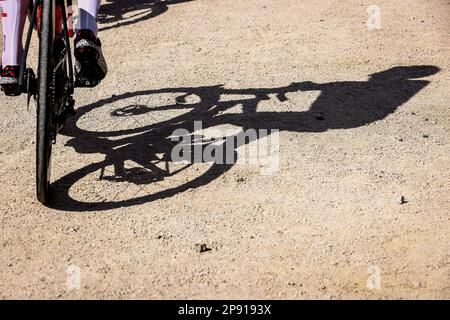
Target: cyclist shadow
<point>340,105</point>
<point>119,13</point>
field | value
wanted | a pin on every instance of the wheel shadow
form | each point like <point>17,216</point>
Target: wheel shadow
<point>340,105</point>
<point>120,13</point>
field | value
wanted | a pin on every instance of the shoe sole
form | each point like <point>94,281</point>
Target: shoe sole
<point>89,73</point>
<point>11,90</point>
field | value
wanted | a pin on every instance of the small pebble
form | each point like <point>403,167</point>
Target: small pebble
<point>201,248</point>
<point>401,200</point>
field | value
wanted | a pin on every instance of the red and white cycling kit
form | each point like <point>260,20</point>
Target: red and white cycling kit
<point>14,13</point>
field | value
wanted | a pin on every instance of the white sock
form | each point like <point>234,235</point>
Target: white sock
<point>87,16</point>
<point>13,22</point>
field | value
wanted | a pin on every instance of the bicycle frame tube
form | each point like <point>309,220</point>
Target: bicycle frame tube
<point>67,40</point>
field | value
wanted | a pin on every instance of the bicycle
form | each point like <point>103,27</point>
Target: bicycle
<point>53,87</point>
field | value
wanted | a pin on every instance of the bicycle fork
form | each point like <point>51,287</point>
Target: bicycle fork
<point>60,92</point>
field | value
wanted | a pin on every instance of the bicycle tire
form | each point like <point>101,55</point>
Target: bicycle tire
<point>44,108</point>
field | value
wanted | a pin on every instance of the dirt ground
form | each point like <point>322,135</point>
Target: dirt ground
<point>363,118</point>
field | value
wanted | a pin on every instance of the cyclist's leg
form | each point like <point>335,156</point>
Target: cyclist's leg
<point>13,21</point>
<point>90,66</point>
<point>87,17</point>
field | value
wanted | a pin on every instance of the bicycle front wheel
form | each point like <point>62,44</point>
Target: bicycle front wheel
<point>44,114</point>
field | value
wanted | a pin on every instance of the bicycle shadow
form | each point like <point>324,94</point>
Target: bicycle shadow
<point>340,105</point>
<point>120,13</point>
